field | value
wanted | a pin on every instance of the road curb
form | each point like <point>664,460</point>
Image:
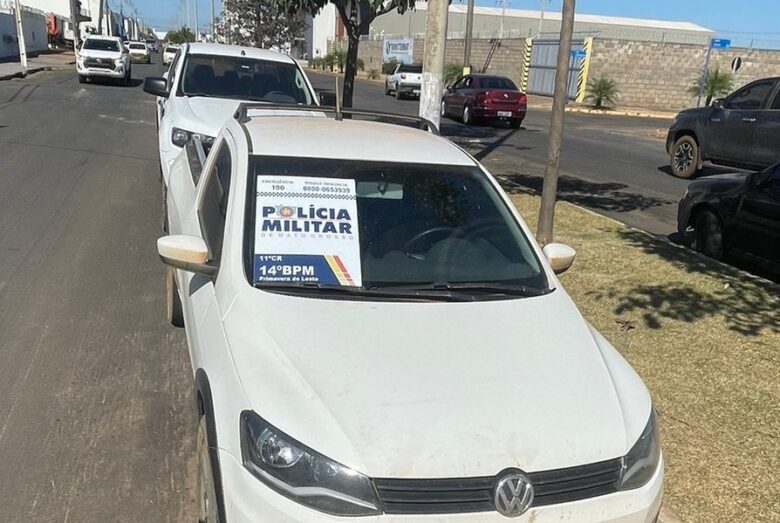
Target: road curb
<point>667,516</point>
<point>26,72</point>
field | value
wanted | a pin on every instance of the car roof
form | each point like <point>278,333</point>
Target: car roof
<point>237,50</point>
<point>103,37</point>
<point>322,137</point>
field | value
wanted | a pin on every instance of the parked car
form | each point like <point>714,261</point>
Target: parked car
<point>405,80</point>
<point>734,213</point>
<point>741,130</point>
<point>373,331</point>
<point>151,45</point>
<point>169,53</point>
<point>103,57</point>
<point>205,84</point>
<point>481,97</point>
<point>139,52</point>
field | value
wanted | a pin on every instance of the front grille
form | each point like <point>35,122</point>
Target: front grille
<point>99,63</point>
<point>461,495</point>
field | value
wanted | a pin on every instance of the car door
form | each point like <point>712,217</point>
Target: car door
<point>163,103</point>
<point>732,129</point>
<point>206,218</point>
<point>758,215</point>
<point>460,95</point>
<point>767,142</point>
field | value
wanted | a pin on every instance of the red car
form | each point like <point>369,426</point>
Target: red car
<point>480,97</point>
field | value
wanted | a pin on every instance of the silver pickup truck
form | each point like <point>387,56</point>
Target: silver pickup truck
<point>405,81</point>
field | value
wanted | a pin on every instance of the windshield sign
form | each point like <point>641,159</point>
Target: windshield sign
<point>306,231</point>
<point>369,227</point>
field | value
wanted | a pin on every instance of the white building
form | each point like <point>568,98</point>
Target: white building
<point>320,30</point>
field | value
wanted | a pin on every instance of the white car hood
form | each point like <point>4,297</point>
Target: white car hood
<point>430,390</point>
<point>94,53</point>
<point>204,115</point>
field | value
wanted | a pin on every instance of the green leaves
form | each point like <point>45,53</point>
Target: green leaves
<point>602,91</point>
<point>716,84</point>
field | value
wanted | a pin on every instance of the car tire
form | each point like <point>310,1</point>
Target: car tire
<point>684,158</point>
<point>173,301</point>
<point>398,94</point>
<point>208,506</point>
<point>387,88</point>
<point>82,79</point>
<point>128,77</point>
<point>515,123</point>
<point>708,234</point>
<point>466,116</point>
<point>443,109</point>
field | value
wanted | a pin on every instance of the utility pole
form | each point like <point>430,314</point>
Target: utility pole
<point>433,60</point>
<point>542,5</point>
<point>75,15</point>
<point>20,35</point>
<point>467,37</point>
<point>704,73</point>
<point>196,19</point>
<point>100,18</point>
<point>544,230</point>
<point>213,23</point>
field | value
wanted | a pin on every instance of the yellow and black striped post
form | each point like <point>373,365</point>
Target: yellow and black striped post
<point>526,65</point>
<point>582,74</point>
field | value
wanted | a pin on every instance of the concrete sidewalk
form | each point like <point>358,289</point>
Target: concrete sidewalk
<point>42,62</point>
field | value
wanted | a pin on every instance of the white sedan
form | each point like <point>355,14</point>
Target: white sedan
<point>376,333</point>
<point>206,82</point>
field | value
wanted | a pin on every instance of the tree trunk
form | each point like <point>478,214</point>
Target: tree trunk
<point>350,69</point>
<point>544,229</point>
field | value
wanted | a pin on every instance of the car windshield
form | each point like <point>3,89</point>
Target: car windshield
<point>497,82</point>
<point>98,44</point>
<point>245,79</point>
<point>171,49</point>
<point>381,226</point>
<point>137,46</point>
<point>410,69</point>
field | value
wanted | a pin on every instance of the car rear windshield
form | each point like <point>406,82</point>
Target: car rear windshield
<point>137,46</point>
<point>245,79</point>
<point>497,82</point>
<point>413,225</point>
<point>97,44</point>
<point>408,68</point>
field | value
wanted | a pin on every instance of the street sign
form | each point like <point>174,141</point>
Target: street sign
<point>720,43</point>
<point>736,63</point>
<point>579,53</point>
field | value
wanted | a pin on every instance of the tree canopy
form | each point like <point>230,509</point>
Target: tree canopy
<point>260,23</point>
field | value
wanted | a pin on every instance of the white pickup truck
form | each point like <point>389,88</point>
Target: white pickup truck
<point>103,57</point>
<point>405,81</point>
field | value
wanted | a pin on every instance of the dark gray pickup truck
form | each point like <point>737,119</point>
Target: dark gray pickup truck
<point>741,130</point>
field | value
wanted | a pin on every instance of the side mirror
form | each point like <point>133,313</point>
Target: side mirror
<point>156,86</point>
<point>559,256</point>
<point>185,252</point>
<point>719,103</point>
<point>328,98</point>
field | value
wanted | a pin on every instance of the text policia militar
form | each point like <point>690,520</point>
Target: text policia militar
<point>326,220</point>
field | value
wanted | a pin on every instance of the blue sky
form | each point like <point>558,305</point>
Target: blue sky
<point>759,17</point>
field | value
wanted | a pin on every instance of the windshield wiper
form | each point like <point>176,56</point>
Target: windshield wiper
<point>373,291</point>
<point>485,287</point>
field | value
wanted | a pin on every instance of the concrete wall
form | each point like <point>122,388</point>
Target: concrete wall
<point>35,36</point>
<point>654,75</point>
<point>658,75</point>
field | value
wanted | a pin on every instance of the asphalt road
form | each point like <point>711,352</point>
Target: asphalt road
<point>96,412</point>
<point>614,165</point>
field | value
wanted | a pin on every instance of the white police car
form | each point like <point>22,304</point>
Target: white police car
<point>377,334</point>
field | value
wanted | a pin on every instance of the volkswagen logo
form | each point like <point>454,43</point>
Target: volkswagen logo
<point>513,495</point>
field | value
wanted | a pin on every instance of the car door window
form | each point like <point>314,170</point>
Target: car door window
<point>467,84</point>
<point>172,70</point>
<point>776,102</point>
<point>751,97</point>
<point>212,208</point>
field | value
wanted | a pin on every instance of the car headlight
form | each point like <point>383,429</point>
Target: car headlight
<point>642,460</point>
<point>180,137</point>
<point>301,474</point>
<point>118,61</point>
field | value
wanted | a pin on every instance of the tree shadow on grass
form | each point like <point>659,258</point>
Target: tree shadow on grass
<point>747,305</point>
<point>604,196</point>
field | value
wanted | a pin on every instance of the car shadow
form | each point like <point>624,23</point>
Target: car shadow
<point>600,196</point>
<point>706,170</point>
<point>747,305</point>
